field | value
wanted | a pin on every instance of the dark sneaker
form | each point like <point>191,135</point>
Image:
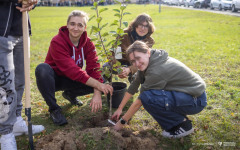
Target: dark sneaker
<point>57,117</point>
<point>181,130</point>
<point>72,99</point>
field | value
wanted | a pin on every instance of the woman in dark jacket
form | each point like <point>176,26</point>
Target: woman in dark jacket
<point>141,28</point>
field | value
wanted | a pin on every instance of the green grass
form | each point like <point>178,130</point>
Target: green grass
<point>208,43</point>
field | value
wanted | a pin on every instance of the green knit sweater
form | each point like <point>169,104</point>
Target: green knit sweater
<point>167,73</point>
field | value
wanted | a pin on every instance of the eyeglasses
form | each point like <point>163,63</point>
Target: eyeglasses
<point>143,26</point>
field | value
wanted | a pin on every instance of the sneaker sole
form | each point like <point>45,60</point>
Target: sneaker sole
<point>184,134</point>
<point>180,135</point>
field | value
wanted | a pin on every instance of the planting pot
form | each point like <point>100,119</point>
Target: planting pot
<point>119,89</point>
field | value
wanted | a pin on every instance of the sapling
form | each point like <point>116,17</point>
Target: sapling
<point>107,42</point>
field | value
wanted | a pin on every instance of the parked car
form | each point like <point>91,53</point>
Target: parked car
<point>235,5</point>
<point>202,3</point>
<point>181,2</point>
<point>226,4</point>
<point>215,4</point>
<point>190,3</point>
<point>221,4</point>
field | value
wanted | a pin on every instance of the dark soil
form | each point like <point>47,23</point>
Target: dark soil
<point>97,134</point>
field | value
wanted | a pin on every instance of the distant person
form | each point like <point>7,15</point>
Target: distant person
<point>12,73</point>
<point>64,65</point>
<point>141,28</point>
<point>169,91</point>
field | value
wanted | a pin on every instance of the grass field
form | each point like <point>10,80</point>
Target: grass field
<point>208,43</point>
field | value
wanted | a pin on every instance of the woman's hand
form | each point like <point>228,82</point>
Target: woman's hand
<point>117,114</point>
<point>118,126</point>
<point>125,72</point>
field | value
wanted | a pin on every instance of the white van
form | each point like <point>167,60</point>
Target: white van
<point>235,5</point>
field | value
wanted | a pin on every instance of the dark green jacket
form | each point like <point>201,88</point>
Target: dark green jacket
<point>167,73</point>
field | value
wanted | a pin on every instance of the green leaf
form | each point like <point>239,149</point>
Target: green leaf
<point>91,30</point>
<point>95,4</point>
<point>126,13</point>
<point>125,23</point>
<point>119,30</point>
<point>105,34</point>
<point>91,18</point>
<point>94,39</point>
<point>102,10</point>
<point>118,63</point>
<point>104,25</point>
<point>95,29</point>
<point>119,70</point>
<point>114,24</point>
<point>113,32</point>
<point>117,10</point>
<point>123,7</point>
<point>117,2</point>
<point>99,19</point>
<point>118,15</point>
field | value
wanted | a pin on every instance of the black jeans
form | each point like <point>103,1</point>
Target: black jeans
<point>48,82</point>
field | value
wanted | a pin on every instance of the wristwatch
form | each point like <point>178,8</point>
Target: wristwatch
<point>122,121</point>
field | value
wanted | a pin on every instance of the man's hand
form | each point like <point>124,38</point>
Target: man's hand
<point>125,72</point>
<point>96,102</point>
<point>26,5</point>
<point>105,88</point>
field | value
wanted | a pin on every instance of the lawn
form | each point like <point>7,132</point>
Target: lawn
<point>208,43</point>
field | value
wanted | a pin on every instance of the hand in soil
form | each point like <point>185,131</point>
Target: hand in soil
<point>118,126</point>
<point>96,103</point>
<point>116,114</point>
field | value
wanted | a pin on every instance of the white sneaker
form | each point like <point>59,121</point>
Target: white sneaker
<point>20,127</point>
<point>8,142</point>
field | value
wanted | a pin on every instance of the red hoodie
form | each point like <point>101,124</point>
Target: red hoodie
<point>67,59</point>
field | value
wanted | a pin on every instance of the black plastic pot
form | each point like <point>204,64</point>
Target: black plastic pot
<point>119,89</point>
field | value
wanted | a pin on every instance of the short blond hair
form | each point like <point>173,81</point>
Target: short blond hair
<point>78,13</point>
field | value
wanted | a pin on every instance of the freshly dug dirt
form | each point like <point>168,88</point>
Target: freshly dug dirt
<point>90,138</point>
<point>96,134</point>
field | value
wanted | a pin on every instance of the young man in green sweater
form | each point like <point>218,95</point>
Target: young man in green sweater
<point>169,91</point>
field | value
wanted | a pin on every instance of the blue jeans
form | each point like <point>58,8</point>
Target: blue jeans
<point>169,108</point>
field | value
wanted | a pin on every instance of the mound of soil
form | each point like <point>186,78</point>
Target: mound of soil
<point>90,137</point>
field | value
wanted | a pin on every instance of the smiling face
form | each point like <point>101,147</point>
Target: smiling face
<point>139,59</point>
<point>76,26</point>
<point>142,29</point>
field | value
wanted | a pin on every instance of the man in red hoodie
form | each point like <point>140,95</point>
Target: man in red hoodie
<point>69,52</point>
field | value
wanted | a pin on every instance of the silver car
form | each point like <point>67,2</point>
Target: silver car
<point>221,4</point>
<point>235,5</point>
